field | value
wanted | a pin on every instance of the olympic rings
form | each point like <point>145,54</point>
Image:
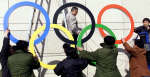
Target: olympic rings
<point>27,3</point>
<point>122,9</point>
<point>89,27</point>
<point>57,27</point>
<point>82,7</point>
<point>33,37</point>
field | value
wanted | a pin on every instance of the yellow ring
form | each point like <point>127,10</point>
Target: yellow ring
<point>34,36</point>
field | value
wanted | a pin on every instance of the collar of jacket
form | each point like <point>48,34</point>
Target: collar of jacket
<point>19,51</point>
<point>144,27</point>
<point>106,46</point>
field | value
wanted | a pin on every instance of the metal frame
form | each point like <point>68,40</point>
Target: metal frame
<point>33,27</point>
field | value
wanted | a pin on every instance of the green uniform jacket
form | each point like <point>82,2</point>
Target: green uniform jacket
<point>106,59</point>
<point>22,64</point>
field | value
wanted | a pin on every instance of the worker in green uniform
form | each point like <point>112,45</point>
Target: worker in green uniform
<point>105,58</point>
<point>22,63</point>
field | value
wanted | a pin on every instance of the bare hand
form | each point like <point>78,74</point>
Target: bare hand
<point>123,40</point>
<point>79,49</point>
<point>7,31</point>
<point>78,32</point>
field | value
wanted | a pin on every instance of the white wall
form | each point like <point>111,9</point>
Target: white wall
<point>20,21</point>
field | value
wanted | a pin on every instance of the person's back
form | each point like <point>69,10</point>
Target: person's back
<point>105,58</point>
<point>106,62</point>
<point>72,66</point>
<point>138,64</point>
<point>22,64</point>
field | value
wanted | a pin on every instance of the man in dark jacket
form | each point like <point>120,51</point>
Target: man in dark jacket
<point>144,28</point>
<point>144,31</point>
<point>22,63</point>
<point>105,58</point>
<point>72,66</point>
<point>6,51</point>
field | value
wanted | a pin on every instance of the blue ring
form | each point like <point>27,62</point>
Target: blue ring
<point>27,3</point>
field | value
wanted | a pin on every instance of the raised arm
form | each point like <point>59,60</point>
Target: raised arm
<point>88,55</point>
<point>128,47</point>
<point>6,45</point>
<point>59,69</point>
<point>35,63</point>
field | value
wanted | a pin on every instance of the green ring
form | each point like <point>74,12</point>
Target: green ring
<point>79,41</point>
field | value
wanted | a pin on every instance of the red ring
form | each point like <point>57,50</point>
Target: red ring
<point>122,9</point>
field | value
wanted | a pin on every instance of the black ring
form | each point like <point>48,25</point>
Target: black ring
<point>82,7</point>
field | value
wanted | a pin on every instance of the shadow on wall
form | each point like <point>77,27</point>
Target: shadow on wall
<point>50,63</point>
